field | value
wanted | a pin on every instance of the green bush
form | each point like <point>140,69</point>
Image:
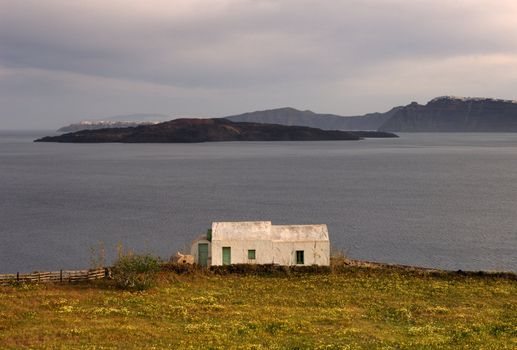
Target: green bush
<point>135,272</point>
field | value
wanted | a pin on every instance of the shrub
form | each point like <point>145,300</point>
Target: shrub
<point>268,269</point>
<point>135,272</point>
<point>182,269</point>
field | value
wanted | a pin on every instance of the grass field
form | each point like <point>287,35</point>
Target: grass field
<point>356,308</point>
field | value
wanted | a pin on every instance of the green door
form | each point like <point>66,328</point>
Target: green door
<point>227,255</point>
<point>202,254</point>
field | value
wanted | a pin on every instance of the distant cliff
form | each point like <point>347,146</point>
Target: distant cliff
<point>120,121</point>
<point>203,130</point>
<point>441,114</point>
<point>291,116</point>
<point>455,114</point>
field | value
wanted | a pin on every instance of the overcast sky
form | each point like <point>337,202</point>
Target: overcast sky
<point>62,61</point>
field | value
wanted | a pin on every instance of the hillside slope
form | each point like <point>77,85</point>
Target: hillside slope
<point>292,116</point>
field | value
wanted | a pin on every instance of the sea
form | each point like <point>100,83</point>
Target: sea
<point>440,200</point>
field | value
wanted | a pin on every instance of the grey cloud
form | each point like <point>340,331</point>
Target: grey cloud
<point>241,46</point>
<point>229,46</point>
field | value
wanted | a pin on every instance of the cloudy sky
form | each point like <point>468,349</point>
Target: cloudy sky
<point>62,61</point>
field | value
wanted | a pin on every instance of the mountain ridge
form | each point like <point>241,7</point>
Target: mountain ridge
<point>293,116</point>
<point>440,114</point>
<point>455,114</point>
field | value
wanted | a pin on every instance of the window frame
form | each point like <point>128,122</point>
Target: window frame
<point>300,257</point>
<point>254,254</point>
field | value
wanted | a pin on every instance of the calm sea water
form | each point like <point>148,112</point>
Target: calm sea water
<point>438,200</point>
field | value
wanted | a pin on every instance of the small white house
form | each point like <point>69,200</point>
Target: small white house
<point>260,242</point>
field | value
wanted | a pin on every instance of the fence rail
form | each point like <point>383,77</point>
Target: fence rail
<point>55,276</point>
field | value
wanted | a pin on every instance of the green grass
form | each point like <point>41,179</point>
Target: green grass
<point>357,308</point>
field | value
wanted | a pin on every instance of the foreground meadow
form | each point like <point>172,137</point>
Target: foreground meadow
<point>355,308</point>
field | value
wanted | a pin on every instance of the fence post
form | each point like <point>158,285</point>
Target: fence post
<point>61,276</point>
<point>106,273</point>
<point>17,277</point>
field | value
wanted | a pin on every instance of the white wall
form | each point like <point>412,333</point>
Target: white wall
<point>315,253</point>
<point>239,251</point>
<point>268,252</point>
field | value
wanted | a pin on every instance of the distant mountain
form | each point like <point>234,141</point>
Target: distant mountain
<point>455,114</point>
<point>291,116</point>
<point>203,130</point>
<point>119,121</point>
<point>441,114</point>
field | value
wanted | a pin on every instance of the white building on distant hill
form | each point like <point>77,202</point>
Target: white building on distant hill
<point>260,242</point>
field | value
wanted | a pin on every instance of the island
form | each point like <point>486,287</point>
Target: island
<point>192,130</point>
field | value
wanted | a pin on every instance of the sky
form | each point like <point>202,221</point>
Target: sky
<point>62,61</point>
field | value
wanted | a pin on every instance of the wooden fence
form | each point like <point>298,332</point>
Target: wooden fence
<point>55,276</point>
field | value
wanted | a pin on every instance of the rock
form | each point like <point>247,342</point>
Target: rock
<point>182,259</point>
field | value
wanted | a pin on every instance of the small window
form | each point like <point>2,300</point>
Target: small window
<point>251,254</point>
<point>299,257</point>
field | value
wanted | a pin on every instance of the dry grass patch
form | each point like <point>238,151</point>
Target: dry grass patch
<point>355,308</point>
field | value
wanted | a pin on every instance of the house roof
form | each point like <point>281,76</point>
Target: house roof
<point>264,230</point>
